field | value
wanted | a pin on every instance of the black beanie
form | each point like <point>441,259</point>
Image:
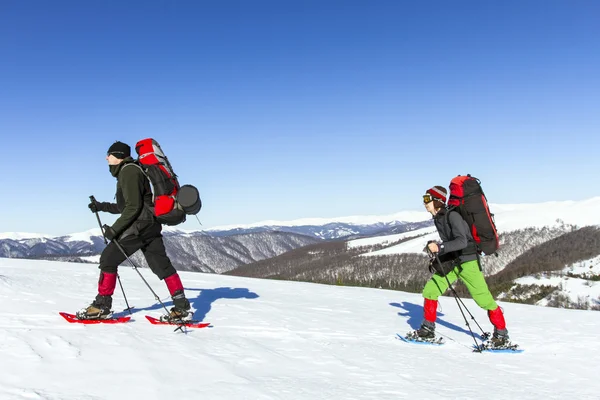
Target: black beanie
<point>119,150</point>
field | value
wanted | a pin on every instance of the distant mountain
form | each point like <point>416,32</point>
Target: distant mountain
<point>541,237</point>
<point>399,237</point>
<point>188,252</point>
<point>213,250</point>
<point>219,254</point>
<point>332,230</point>
<point>41,247</point>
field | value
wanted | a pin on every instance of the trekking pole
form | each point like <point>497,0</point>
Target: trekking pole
<point>181,323</point>
<point>459,302</point>
<point>484,334</point>
<point>106,242</point>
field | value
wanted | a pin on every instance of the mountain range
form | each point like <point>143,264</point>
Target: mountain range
<point>379,251</point>
<point>216,250</point>
<point>553,243</point>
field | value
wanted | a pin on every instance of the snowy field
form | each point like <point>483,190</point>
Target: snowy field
<point>274,340</point>
<point>575,288</point>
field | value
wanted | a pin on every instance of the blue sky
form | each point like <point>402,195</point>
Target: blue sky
<point>284,110</point>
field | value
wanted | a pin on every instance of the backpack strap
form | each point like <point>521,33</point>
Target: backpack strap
<point>147,206</point>
<point>471,244</point>
<point>136,164</point>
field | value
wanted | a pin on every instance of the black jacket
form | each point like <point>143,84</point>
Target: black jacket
<point>457,240</point>
<point>133,200</point>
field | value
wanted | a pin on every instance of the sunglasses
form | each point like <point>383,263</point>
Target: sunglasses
<point>427,198</point>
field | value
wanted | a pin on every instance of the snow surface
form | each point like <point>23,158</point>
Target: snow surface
<point>412,246</point>
<point>383,240</point>
<point>274,340</point>
<point>591,266</point>
<point>84,236</point>
<point>91,259</point>
<point>576,289</point>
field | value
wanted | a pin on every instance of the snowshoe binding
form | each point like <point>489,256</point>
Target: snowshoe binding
<point>426,334</point>
<point>99,309</point>
<point>181,310</point>
<point>499,341</point>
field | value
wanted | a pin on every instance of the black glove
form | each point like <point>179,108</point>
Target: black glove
<point>96,206</point>
<point>93,206</point>
<point>109,232</point>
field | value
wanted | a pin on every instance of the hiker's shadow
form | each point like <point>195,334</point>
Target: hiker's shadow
<point>415,317</point>
<point>202,303</point>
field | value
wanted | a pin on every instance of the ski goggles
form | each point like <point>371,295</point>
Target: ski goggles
<point>427,198</point>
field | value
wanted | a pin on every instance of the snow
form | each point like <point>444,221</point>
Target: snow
<point>508,217</point>
<point>177,231</point>
<point>84,236</point>
<point>410,246</point>
<point>274,340</point>
<point>23,235</point>
<point>404,216</point>
<point>576,289</point>
<point>591,266</point>
<point>383,240</point>
<point>511,217</point>
<point>91,259</point>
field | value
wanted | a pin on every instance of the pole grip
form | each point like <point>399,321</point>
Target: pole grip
<point>93,199</point>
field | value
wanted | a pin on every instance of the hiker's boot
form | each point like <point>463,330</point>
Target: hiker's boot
<point>426,331</point>
<point>181,308</point>
<point>99,309</point>
<point>500,338</point>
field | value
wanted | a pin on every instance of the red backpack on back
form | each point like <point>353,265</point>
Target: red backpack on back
<point>467,197</point>
<point>171,201</point>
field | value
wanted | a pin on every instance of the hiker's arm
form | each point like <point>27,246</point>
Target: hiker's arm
<point>108,207</point>
<point>460,233</point>
<point>132,184</point>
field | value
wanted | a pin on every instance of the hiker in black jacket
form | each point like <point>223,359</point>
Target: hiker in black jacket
<point>135,229</point>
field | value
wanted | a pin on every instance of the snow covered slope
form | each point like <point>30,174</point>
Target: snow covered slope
<point>577,285</point>
<point>274,340</point>
<point>508,217</point>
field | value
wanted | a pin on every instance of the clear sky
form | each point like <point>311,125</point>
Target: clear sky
<point>292,109</point>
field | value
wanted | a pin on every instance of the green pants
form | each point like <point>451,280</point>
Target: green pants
<point>473,279</point>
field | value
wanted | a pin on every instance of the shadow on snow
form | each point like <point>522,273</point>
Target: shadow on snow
<point>414,312</point>
<point>202,303</point>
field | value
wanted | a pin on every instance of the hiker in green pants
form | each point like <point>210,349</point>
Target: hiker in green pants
<point>458,255</point>
<point>473,279</point>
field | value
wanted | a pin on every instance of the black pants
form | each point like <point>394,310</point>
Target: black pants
<point>151,243</point>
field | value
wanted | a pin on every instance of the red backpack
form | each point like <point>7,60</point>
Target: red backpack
<point>171,202</point>
<point>467,197</point>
